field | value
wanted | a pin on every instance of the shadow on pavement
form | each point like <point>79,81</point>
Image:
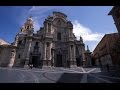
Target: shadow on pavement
<point>70,78</point>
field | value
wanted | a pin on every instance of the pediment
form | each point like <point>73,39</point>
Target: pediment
<point>59,22</point>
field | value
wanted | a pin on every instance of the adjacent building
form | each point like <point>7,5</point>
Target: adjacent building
<point>3,42</point>
<point>115,12</point>
<point>108,50</point>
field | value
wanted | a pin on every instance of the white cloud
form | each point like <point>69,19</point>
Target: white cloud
<point>38,12</point>
<point>36,23</point>
<point>85,32</point>
<point>90,38</point>
<point>38,8</point>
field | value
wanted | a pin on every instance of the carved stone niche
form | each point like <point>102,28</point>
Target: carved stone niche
<point>59,22</point>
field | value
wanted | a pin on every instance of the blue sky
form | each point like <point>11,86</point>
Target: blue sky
<point>91,22</point>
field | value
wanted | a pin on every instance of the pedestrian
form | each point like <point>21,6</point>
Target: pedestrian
<point>30,66</point>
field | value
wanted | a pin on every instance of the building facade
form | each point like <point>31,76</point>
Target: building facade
<point>53,45</point>
<point>3,42</point>
<point>108,50</point>
<point>115,12</point>
<point>7,55</point>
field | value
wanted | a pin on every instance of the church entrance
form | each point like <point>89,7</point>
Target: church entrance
<point>35,61</point>
<point>78,61</point>
<point>59,61</point>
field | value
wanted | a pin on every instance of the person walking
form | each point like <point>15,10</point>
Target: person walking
<point>31,66</point>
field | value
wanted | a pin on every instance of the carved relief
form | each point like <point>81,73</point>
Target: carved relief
<point>59,22</point>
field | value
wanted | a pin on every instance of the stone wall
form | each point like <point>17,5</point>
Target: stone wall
<point>7,56</point>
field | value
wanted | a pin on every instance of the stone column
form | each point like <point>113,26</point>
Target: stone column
<point>65,58</point>
<point>83,55</point>
<point>70,56</point>
<point>29,47</point>
<point>73,59</point>
<point>69,59</point>
<point>44,54</point>
<point>53,56</point>
<point>70,53</point>
<point>27,51</point>
<point>74,56</point>
<point>49,55</point>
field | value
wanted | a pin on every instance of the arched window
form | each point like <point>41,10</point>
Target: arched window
<point>27,27</point>
<point>58,36</point>
<point>36,48</point>
<point>36,43</point>
<point>20,42</point>
<point>71,46</point>
<point>49,27</point>
<point>48,44</point>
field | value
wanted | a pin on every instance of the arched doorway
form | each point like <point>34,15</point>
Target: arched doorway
<point>78,61</point>
<point>59,60</point>
<point>35,61</point>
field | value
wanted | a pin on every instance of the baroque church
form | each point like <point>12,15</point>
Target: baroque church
<point>54,45</point>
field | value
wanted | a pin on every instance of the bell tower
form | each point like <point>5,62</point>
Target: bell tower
<point>28,26</point>
<point>88,57</point>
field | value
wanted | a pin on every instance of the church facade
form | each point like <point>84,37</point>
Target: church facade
<point>53,45</point>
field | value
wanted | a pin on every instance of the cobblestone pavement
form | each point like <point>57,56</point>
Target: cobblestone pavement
<point>57,75</point>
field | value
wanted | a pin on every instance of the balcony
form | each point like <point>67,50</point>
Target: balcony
<point>48,35</point>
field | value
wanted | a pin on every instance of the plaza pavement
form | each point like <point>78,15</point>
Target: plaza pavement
<point>58,75</point>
